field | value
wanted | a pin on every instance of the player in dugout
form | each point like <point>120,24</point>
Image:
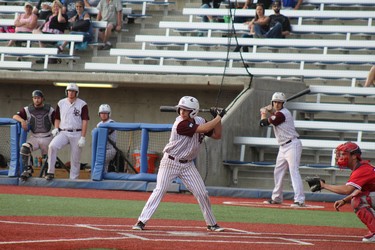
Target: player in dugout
<point>360,188</point>
<point>187,135</point>
<point>39,117</point>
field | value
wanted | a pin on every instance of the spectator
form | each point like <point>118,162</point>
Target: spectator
<point>291,4</point>
<point>43,9</point>
<point>55,24</point>
<point>290,150</point>
<point>72,116</point>
<point>25,22</point>
<point>105,117</point>
<point>253,3</point>
<point>39,117</point>
<point>279,25</point>
<point>371,77</point>
<point>69,8</point>
<point>91,3</point>
<point>80,24</point>
<point>110,11</point>
<point>359,189</point>
<point>206,4</point>
<point>259,19</point>
<point>187,134</point>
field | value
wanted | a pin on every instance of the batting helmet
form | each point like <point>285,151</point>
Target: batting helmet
<point>37,93</point>
<point>189,103</point>
<point>348,148</point>
<point>72,86</point>
<point>104,108</point>
<point>278,97</point>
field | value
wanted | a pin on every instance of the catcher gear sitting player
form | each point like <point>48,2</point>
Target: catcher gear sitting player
<point>360,188</point>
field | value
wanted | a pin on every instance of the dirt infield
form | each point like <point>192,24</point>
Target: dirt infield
<point>42,232</point>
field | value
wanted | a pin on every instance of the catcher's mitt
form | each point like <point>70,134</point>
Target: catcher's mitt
<point>314,183</point>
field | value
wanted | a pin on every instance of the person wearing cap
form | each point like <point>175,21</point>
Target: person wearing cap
<point>279,25</point>
<point>360,187</point>
<point>72,117</point>
<point>43,9</point>
<point>37,118</point>
<point>25,22</point>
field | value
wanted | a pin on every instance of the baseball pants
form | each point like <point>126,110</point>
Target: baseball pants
<point>288,157</point>
<point>187,172</point>
<point>60,140</point>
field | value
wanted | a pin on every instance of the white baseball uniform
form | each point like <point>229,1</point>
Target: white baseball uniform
<point>110,150</point>
<point>177,161</point>
<point>289,155</point>
<point>70,116</point>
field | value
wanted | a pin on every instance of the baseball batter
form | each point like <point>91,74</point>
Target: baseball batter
<point>39,117</point>
<point>187,134</point>
<point>105,114</point>
<point>290,149</point>
<point>360,188</point>
<point>72,116</point>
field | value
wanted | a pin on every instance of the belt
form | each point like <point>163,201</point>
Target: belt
<point>71,130</point>
<point>180,161</point>
<point>288,142</point>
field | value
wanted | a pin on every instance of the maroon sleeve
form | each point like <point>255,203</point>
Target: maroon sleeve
<point>85,113</point>
<point>187,128</point>
<point>57,114</point>
<point>277,118</point>
<point>22,114</point>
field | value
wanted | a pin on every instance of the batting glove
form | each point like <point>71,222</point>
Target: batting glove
<point>55,131</point>
<point>222,113</point>
<point>81,142</point>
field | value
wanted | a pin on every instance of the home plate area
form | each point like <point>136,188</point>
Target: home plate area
<point>261,204</point>
<point>163,233</point>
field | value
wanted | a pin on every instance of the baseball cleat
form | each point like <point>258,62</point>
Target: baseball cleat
<point>298,204</point>
<point>49,177</point>
<point>139,226</point>
<point>215,228</point>
<point>271,202</point>
<point>369,238</point>
<point>27,173</point>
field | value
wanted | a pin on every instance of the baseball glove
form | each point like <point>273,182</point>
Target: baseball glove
<point>314,183</point>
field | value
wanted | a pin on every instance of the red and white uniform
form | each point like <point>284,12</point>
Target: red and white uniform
<point>289,155</point>
<point>179,153</point>
<point>70,116</point>
<point>363,178</point>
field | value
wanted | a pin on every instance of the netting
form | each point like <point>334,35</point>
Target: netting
<point>5,143</point>
<point>129,142</point>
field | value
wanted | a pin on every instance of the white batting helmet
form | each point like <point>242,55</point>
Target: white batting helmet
<point>278,97</point>
<point>189,103</point>
<point>72,86</point>
<point>104,108</point>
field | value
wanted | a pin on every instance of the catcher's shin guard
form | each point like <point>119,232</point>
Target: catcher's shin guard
<point>367,216</point>
<point>27,173</point>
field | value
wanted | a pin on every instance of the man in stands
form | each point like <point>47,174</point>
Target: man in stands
<point>291,4</point>
<point>279,25</point>
<point>110,11</point>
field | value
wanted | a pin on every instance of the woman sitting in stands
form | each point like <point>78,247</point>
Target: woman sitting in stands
<point>80,24</point>
<point>55,24</point>
<point>25,22</point>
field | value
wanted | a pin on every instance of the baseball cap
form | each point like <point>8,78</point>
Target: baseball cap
<point>28,4</point>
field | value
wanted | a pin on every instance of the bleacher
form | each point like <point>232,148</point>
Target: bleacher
<point>330,50</point>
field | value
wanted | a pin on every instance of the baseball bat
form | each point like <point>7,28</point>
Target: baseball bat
<point>299,94</point>
<point>173,109</point>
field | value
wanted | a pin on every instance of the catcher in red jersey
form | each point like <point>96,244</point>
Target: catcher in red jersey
<point>360,188</point>
<point>187,134</point>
